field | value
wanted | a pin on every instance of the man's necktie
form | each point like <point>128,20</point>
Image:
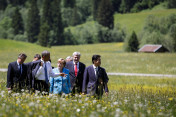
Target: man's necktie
<point>96,70</point>
<point>76,70</point>
<point>20,69</point>
<point>46,74</point>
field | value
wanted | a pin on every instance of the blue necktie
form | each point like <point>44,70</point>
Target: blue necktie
<point>46,74</point>
<point>20,69</point>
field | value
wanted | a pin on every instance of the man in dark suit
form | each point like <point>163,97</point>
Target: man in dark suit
<point>95,78</point>
<point>17,74</point>
<point>29,64</point>
<point>76,71</point>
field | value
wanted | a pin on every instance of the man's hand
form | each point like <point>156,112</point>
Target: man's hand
<point>8,89</point>
<point>63,74</point>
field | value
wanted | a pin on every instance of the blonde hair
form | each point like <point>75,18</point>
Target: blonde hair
<point>61,60</point>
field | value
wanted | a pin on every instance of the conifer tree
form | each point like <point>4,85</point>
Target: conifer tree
<point>95,4</point>
<point>105,14</point>
<point>45,24</point>
<point>46,14</point>
<point>171,4</point>
<point>133,43</point>
<point>16,2</point>
<point>33,22</point>
<point>44,34</point>
<point>3,4</point>
<point>57,25</point>
<point>75,17</point>
<point>69,3</point>
<point>17,22</point>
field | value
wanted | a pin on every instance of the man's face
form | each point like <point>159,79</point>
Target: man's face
<point>97,62</point>
<point>46,58</point>
<point>76,58</point>
<point>21,60</point>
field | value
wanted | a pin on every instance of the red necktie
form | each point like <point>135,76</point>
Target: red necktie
<point>76,70</point>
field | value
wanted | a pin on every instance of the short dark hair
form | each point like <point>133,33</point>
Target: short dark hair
<point>95,57</point>
<point>37,56</point>
<point>22,55</point>
<point>45,53</point>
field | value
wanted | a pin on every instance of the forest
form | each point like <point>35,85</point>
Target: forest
<point>48,22</point>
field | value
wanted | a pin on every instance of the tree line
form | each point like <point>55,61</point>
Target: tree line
<point>45,21</point>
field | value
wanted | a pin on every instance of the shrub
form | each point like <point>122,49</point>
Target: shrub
<point>21,37</point>
<point>132,43</point>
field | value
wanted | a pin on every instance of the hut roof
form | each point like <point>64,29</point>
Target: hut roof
<point>151,48</point>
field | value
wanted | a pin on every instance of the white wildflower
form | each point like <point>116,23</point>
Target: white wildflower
<point>78,110</point>
<point>31,104</point>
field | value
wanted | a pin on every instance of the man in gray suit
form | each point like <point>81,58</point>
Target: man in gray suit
<point>76,71</point>
<point>95,78</point>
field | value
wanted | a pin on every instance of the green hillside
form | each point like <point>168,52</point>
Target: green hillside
<point>136,21</point>
<point>113,58</point>
<point>130,21</point>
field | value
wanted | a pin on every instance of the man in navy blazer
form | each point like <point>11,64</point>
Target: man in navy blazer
<point>95,78</point>
<point>76,71</point>
<point>17,74</point>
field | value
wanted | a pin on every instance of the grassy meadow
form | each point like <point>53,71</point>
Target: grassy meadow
<point>113,57</point>
<point>128,95</point>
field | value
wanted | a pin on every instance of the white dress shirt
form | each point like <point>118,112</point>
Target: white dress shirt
<point>95,69</point>
<point>40,75</point>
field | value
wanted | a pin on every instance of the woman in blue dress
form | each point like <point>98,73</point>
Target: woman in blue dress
<point>60,84</point>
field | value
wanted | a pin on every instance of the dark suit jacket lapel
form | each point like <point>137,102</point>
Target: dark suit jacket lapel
<point>72,68</point>
<point>16,66</point>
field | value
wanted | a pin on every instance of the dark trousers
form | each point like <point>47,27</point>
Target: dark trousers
<point>18,86</point>
<point>41,86</point>
<point>76,90</point>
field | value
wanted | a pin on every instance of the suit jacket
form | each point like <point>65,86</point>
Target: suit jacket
<point>34,66</point>
<point>60,84</point>
<point>28,65</point>
<point>15,78</point>
<point>76,81</point>
<point>91,84</point>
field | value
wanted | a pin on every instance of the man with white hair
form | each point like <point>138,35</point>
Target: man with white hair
<point>69,58</point>
<point>76,73</point>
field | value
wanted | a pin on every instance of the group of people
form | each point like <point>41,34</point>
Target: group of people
<point>70,77</point>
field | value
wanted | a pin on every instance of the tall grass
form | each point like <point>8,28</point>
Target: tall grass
<point>128,96</point>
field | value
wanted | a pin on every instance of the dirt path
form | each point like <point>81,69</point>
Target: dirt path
<point>141,74</point>
<point>126,74</point>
